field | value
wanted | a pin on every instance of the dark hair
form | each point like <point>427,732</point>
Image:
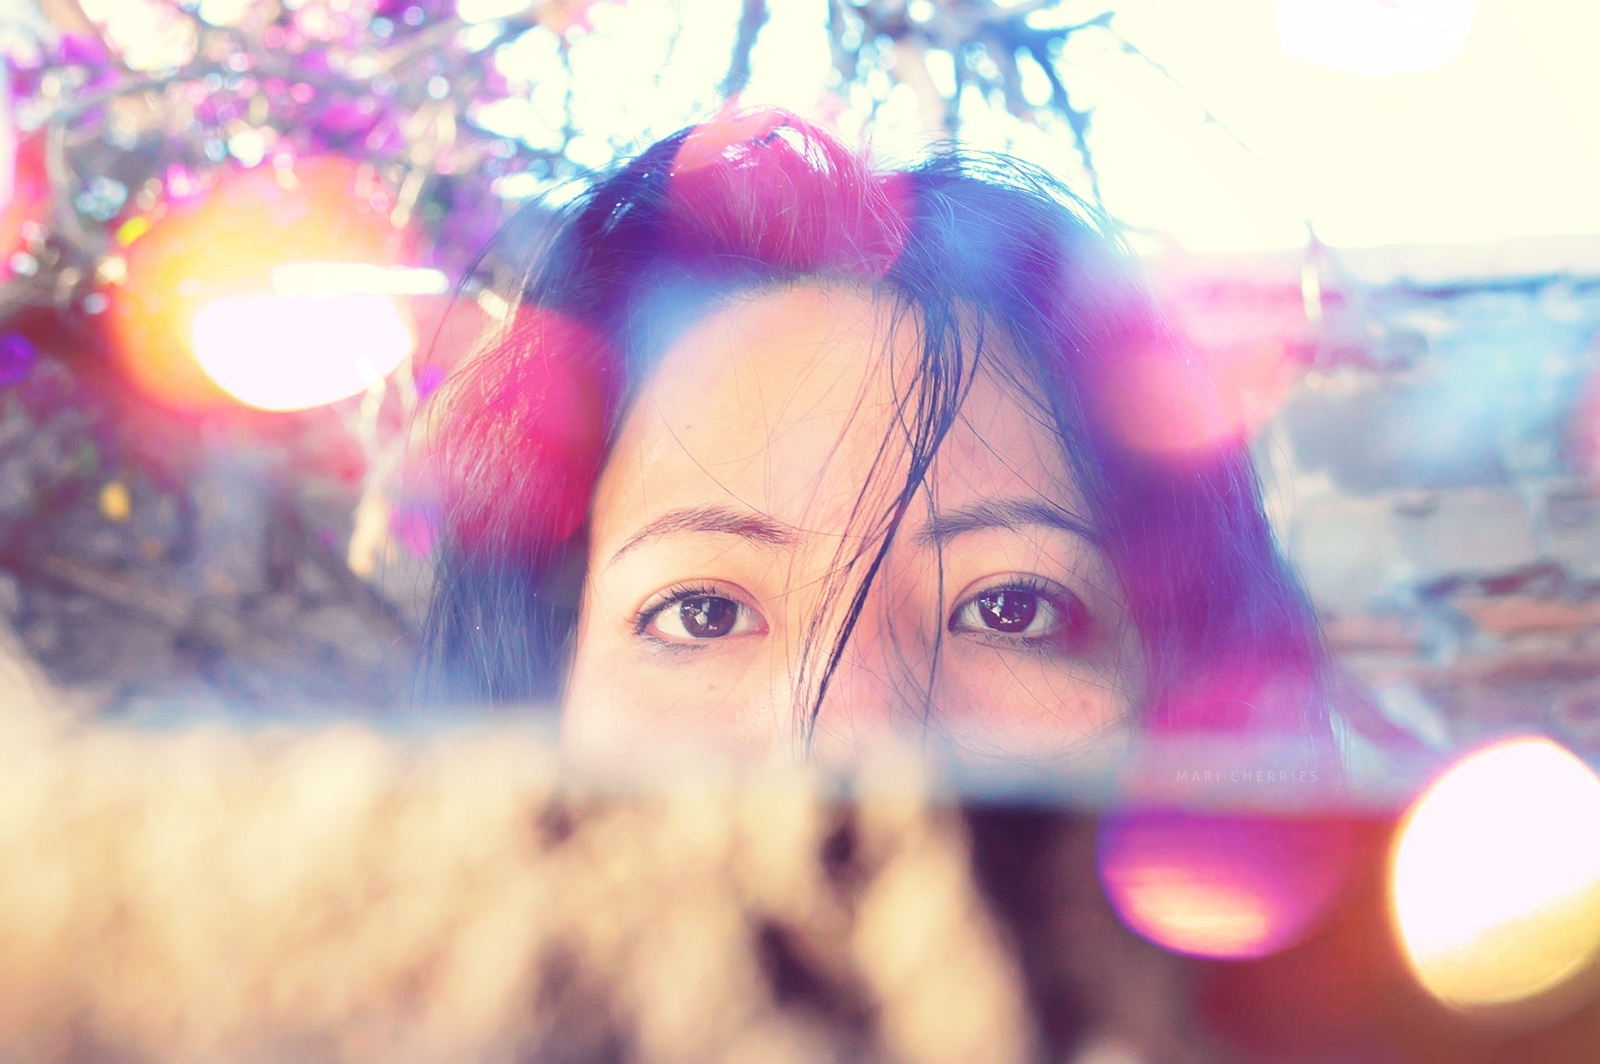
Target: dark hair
<point>761,198</point>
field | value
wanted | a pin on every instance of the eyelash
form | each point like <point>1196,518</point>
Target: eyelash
<point>671,596</point>
<point>1069,608</point>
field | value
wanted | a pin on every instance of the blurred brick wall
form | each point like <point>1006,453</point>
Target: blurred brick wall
<point>1428,448</point>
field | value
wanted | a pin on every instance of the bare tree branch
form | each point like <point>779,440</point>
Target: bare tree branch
<point>1077,120</point>
<point>753,17</point>
<point>844,59</point>
<point>911,69</point>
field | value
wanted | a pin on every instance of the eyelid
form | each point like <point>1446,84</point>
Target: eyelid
<point>666,597</point>
<point>1073,611</point>
<point>1014,582</point>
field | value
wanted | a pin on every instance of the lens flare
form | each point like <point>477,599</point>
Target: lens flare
<point>278,288</point>
<point>1226,887</point>
<point>26,203</point>
<point>295,352</point>
<point>1171,405</point>
<point>1495,878</point>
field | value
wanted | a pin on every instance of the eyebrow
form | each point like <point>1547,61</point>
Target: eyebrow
<point>1007,514</point>
<point>745,524</point>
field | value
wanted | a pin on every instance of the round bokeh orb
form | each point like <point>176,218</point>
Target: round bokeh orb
<point>1495,876</point>
<point>202,319</point>
<point>1221,886</point>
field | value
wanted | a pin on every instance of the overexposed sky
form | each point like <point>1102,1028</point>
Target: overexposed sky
<point>1501,141</point>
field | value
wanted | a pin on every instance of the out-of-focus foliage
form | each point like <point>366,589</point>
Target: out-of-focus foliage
<point>460,107</point>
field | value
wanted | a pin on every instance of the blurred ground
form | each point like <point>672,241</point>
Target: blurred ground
<point>334,893</point>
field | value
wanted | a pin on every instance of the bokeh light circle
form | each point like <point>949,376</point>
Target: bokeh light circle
<point>199,322</point>
<point>1221,886</point>
<point>1495,875</point>
<point>283,353</point>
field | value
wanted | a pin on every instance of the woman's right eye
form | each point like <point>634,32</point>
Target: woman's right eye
<point>698,617</point>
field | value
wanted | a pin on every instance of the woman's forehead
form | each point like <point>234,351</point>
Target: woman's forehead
<point>794,401</point>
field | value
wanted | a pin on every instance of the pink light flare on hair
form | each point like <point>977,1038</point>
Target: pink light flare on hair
<point>1175,403</point>
<point>770,188</point>
<point>763,192</point>
<point>520,469</point>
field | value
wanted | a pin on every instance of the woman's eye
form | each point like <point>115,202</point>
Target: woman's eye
<point>1012,611</point>
<point>702,617</point>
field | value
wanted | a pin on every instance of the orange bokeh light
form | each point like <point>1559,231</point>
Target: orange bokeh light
<point>194,324</point>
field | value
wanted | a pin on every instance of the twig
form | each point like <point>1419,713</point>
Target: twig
<point>1077,120</point>
<point>844,59</point>
<point>1134,50</point>
<point>751,19</point>
<point>135,596</point>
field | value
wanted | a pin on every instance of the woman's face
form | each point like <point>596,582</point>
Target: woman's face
<point>740,510</point>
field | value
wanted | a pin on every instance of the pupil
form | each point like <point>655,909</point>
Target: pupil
<point>1008,611</point>
<point>708,617</point>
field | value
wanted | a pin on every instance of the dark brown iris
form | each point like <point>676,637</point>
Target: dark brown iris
<point>707,616</point>
<point>1008,611</point>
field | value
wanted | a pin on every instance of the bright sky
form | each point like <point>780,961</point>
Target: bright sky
<point>1502,141</point>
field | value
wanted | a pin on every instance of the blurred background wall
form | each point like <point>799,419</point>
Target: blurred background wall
<point>1430,465</point>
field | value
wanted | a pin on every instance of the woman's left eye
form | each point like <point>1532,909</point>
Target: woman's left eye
<point>696,618</point>
<point>1013,611</point>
